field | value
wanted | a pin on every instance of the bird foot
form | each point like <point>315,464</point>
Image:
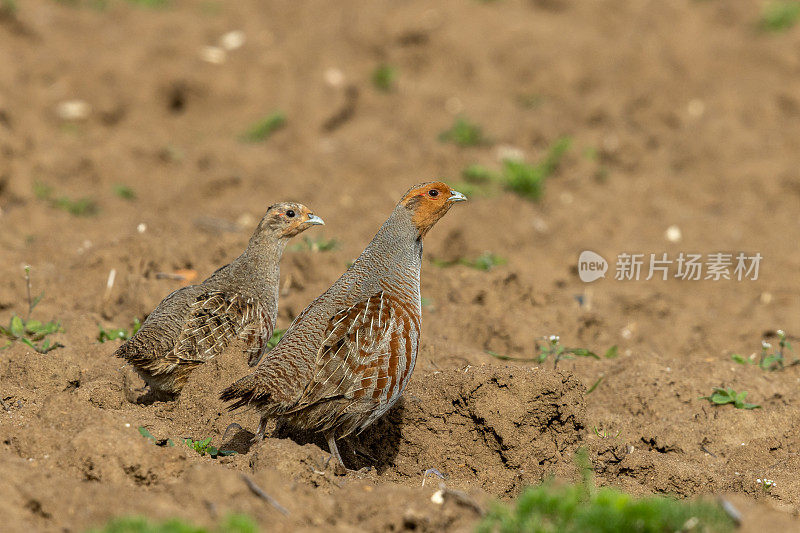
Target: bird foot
<point>340,470</point>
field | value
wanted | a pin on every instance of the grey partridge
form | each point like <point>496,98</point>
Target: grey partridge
<point>346,359</point>
<point>240,300</point>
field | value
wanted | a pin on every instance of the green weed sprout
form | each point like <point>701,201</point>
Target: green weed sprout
<point>769,360</point>
<point>721,396</point>
<point>777,359</point>
<point>8,8</point>
<point>138,524</point>
<point>158,442</point>
<point>766,485</point>
<point>383,77</point>
<point>603,434</point>
<point>780,15</point>
<point>30,332</point>
<point>523,179</point>
<point>81,207</point>
<point>551,347</point>
<point>316,245</point>
<point>581,508</point>
<point>118,333</point>
<point>486,261</point>
<point>263,129</point>
<point>479,174</point>
<point>124,192</point>
<point>204,447</point>
<point>527,180</point>
<point>464,133</point>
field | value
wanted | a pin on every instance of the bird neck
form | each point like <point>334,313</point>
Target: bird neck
<point>397,247</point>
<point>262,258</point>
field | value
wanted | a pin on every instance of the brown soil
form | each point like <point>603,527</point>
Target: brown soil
<point>694,116</point>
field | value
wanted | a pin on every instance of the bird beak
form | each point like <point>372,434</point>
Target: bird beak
<point>456,196</point>
<point>315,220</point>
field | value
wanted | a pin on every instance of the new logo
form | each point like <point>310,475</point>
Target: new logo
<point>591,266</point>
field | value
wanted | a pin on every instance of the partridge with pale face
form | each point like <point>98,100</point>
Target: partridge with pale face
<point>196,323</point>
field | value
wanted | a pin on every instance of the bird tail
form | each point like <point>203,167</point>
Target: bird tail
<point>246,391</point>
<point>122,351</point>
<point>137,358</point>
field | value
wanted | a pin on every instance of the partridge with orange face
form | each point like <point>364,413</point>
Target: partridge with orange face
<point>196,323</point>
<point>346,359</point>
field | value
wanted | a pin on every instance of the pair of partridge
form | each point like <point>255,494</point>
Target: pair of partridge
<point>240,300</point>
<point>346,359</point>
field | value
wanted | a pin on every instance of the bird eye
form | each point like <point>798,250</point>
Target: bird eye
<point>290,213</point>
<point>433,193</point>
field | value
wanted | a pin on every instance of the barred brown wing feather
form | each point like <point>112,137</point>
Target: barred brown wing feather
<point>256,334</point>
<point>366,354</point>
<point>214,320</point>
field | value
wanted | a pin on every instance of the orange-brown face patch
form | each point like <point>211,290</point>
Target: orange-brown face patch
<point>429,202</point>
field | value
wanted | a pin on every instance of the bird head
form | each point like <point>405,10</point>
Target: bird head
<point>428,202</point>
<point>287,219</point>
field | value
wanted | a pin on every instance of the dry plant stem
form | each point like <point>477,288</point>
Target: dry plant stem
<point>731,511</point>
<point>28,285</point>
<point>258,491</point>
<point>462,498</point>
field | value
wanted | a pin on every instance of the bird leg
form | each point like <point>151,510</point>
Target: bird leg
<point>262,428</point>
<point>339,468</point>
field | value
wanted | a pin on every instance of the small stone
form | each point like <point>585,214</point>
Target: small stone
<point>673,234</point>
<point>232,40</point>
<point>438,497</point>
<point>696,108</point>
<point>213,54</point>
<point>246,220</point>
<point>334,77</point>
<point>540,225</point>
<point>142,227</point>
<point>73,110</point>
<point>506,151</point>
